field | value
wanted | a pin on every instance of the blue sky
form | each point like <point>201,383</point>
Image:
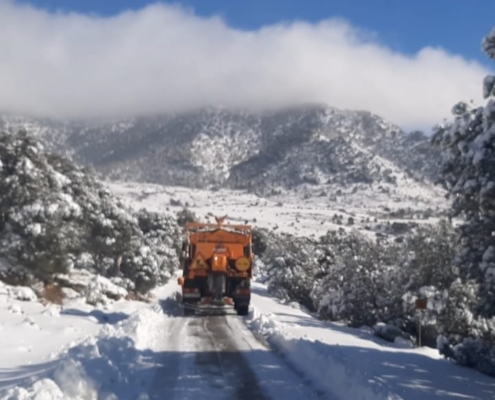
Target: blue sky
<point>403,25</point>
<point>407,61</point>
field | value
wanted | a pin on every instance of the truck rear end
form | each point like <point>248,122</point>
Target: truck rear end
<point>217,261</point>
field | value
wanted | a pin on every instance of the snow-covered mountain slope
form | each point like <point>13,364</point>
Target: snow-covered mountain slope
<point>310,145</point>
<point>149,351</point>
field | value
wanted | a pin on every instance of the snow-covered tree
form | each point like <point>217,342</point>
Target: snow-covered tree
<point>349,277</point>
<point>56,217</point>
<point>469,174</point>
<point>426,257</point>
<point>288,264</point>
<point>355,287</point>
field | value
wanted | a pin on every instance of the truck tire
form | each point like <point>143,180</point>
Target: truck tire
<point>187,311</point>
<point>242,310</point>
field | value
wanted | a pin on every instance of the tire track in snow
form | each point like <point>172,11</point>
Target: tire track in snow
<point>233,366</point>
<point>198,359</point>
<point>168,362</point>
<point>276,375</point>
<point>217,357</point>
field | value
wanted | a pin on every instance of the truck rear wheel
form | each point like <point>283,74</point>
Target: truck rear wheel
<point>187,310</point>
<point>242,310</point>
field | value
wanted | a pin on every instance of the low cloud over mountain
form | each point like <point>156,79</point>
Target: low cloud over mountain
<point>164,58</point>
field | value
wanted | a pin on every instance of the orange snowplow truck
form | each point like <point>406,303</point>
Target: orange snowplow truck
<point>217,264</point>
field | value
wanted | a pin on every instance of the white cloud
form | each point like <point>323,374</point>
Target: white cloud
<point>164,58</point>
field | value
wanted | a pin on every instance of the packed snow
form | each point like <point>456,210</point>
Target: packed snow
<point>131,350</point>
<point>354,364</point>
<point>48,347</point>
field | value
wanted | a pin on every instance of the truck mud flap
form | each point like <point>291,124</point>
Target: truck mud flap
<point>206,309</point>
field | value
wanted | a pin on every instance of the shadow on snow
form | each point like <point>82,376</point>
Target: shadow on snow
<point>118,368</point>
<point>101,316</point>
<point>114,365</point>
<point>408,374</point>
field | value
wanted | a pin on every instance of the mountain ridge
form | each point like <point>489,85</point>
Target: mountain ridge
<point>311,145</point>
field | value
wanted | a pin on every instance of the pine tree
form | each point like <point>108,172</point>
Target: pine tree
<point>469,175</point>
<point>56,216</point>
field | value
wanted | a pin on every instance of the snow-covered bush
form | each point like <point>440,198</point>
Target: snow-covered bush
<point>425,261</point>
<point>340,276</point>
<point>56,217</point>
<point>388,332</point>
<point>22,293</point>
<point>159,255</point>
<point>288,265</point>
<point>427,256</point>
<point>184,216</point>
<point>469,174</point>
<point>100,289</point>
<point>360,279</point>
<point>349,277</point>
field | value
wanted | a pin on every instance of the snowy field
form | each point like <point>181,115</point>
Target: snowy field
<point>370,208</point>
<point>132,350</point>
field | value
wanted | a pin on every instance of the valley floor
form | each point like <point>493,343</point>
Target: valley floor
<point>368,210</point>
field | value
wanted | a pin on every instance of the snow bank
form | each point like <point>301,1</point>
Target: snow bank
<point>44,389</point>
<point>109,366</point>
<point>392,334</point>
<point>21,293</point>
<point>100,289</point>
<point>326,365</point>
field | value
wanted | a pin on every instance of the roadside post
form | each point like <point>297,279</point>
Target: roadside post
<point>420,307</point>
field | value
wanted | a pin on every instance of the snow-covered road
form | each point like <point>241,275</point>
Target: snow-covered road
<point>281,352</point>
<point>152,351</point>
<point>217,357</point>
<point>354,364</point>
